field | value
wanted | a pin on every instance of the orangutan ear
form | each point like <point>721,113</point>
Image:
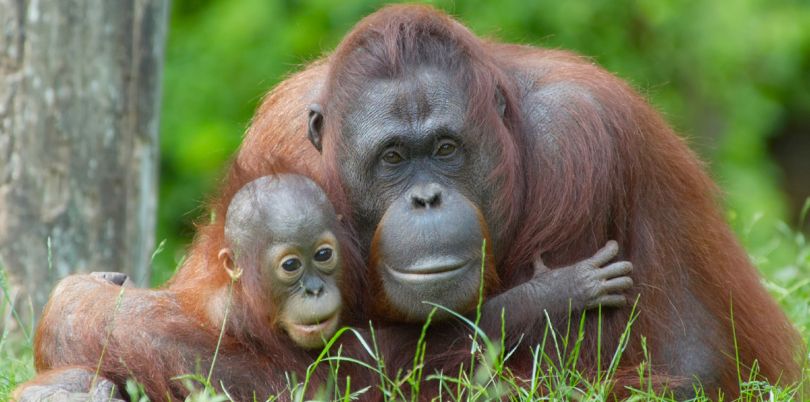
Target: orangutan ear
<point>315,129</point>
<point>500,102</point>
<point>225,257</point>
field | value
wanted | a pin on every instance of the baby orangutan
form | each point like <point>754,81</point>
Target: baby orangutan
<point>283,255</point>
<point>282,229</point>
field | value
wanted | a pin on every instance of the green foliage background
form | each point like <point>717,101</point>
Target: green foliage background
<point>727,75</point>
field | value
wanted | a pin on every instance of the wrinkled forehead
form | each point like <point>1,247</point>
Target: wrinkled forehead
<point>281,208</point>
<point>425,99</point>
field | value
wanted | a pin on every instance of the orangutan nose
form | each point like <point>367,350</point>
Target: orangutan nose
<point>426,196</point>
<point>313,286</point>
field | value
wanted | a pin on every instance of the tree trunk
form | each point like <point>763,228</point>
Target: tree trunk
<point>79,102</point>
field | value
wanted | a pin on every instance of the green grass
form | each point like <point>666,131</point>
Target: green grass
<point>784,259</point>
<point>16,357</point>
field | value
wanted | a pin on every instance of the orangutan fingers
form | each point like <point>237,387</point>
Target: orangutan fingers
<point>616,285</point>
<point>614,270</point>
<point>605,254</point>
<point>608,301</point>
<point>539,266</point>
<point>116,278</point>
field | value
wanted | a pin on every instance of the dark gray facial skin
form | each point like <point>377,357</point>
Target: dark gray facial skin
<point>413,117</point>
<point>442,261</point>
<point>284,226</point>
<point>405,142</point>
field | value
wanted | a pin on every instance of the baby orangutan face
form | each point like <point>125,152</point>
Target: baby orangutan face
<point>304,277</point>
<point>283,228</point>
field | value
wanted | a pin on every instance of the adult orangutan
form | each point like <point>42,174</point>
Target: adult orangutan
<point>422,132</point>
<point>415,117</point>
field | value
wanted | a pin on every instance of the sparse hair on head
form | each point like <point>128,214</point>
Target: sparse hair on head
<point>252,209</point>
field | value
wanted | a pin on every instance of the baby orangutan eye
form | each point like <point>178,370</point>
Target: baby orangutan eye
<point>323,254</point>
<point>291,265</point>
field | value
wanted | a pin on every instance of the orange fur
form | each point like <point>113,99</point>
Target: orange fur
<point>617,171</point>
<point>153,336</point>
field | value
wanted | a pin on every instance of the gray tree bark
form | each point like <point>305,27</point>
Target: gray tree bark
<point>79,102</point>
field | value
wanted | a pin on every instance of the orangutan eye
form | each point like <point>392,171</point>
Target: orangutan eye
<point>291,264</point>
<point>392,157</point>
<point>446,148</point>
<point>323,254</point>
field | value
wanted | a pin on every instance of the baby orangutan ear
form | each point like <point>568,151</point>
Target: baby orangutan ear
<point>225,257</point>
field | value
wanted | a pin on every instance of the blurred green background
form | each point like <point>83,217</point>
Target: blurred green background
<point>732,77</point>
